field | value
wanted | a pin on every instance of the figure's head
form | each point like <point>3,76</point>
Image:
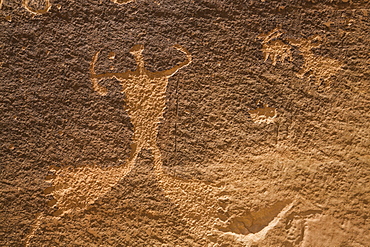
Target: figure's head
<point>137,50</point>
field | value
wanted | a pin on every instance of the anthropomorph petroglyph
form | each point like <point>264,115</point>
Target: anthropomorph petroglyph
<point>75,188</point>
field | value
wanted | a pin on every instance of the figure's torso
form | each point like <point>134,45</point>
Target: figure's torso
<point>145,100</point>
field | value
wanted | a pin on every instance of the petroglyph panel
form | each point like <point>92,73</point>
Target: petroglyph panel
<point>74,189</point>
<point>254,131</point>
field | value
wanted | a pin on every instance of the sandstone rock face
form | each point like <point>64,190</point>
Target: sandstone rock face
<point>185,123</point>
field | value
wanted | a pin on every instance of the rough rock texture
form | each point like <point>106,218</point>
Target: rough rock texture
<point>184,123</point>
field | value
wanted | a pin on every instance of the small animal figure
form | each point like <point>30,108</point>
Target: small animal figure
<point>277,50</point>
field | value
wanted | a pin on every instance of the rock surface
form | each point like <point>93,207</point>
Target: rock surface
<point>184,123</point>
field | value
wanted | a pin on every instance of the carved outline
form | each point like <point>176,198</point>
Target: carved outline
<point>38,11</point>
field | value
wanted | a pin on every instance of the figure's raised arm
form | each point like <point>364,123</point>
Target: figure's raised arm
<point>96,77</point>
<point>95,82</point>
<point>188,60</point>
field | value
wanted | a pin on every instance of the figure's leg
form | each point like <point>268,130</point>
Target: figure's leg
<point>267,54</point>
<point>275,58</point>
<point>135,150</point>
<point>40,219</point>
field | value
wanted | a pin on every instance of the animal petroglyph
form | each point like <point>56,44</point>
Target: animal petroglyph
<point>277,50</point>
<point>320,67</point>
<point>263,115</point>
<point>26,5</point>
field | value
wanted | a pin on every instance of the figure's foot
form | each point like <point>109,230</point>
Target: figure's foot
<point>74,189</point>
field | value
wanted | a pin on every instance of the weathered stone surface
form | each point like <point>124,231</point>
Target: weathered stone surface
<point>184,123</point>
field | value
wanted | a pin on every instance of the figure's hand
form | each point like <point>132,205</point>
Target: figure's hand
<point>186,62</point>
<point>187,53</point>
<point>182,49</point>
<point>95,82</point>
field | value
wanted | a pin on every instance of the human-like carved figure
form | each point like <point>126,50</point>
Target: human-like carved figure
<point>75,188</point>
<point>145,95</point>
